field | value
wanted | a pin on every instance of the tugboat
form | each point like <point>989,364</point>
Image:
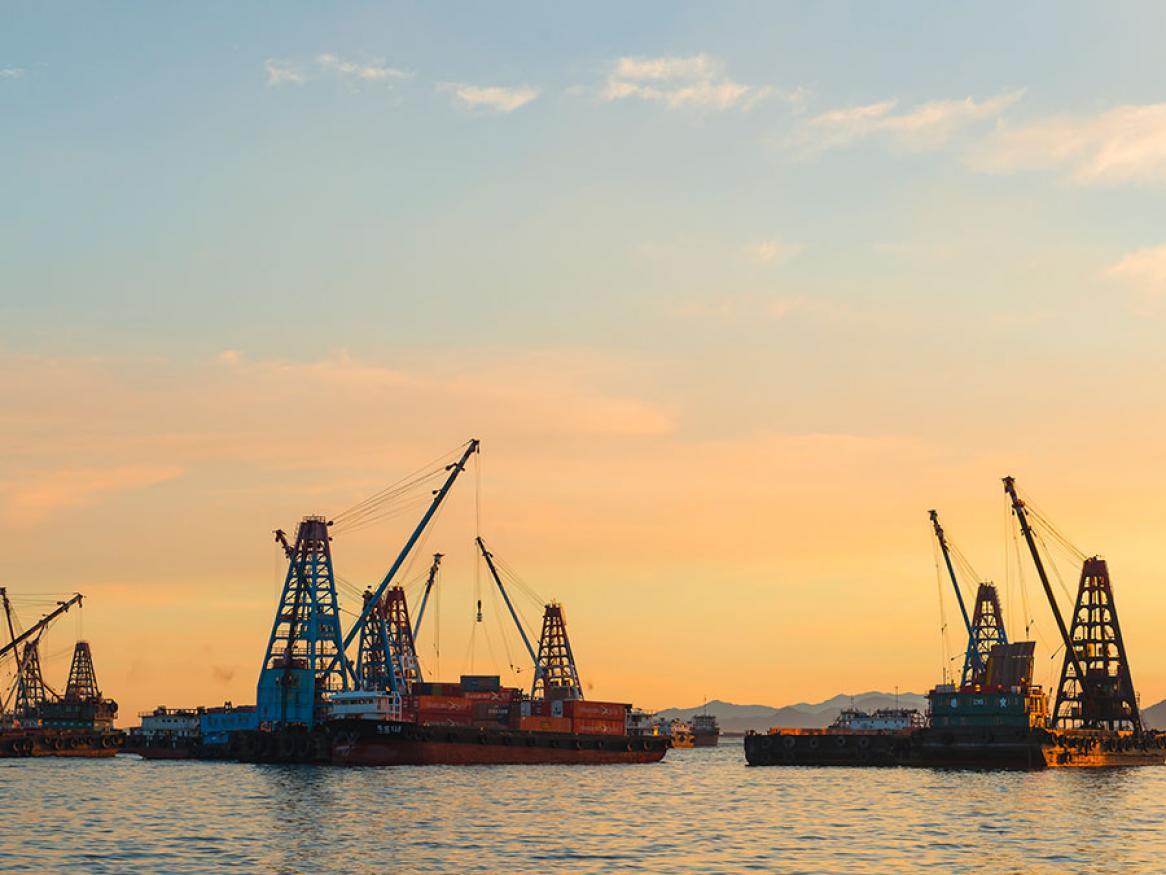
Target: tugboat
<point>41,722</point>
<point>706,732</point>
<point>997,717</point>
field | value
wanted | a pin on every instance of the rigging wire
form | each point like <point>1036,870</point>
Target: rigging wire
<point>944,654</point>
<point>349,516</point>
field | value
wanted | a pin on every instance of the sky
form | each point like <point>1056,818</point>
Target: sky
<point>732,294</point>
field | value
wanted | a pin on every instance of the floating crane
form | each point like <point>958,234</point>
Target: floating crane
<point>306,659</point>
<point>555,674</point>
<point>985,627</point>
<point>29,690</point>
<point>1096,689</point>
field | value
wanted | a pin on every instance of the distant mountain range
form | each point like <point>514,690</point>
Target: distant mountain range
<point>742,718</point>
<point>804,715</point>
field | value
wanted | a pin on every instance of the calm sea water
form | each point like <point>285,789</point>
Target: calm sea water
<point>698,810</point>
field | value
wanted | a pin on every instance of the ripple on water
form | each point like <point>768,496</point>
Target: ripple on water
<point>699,809</point>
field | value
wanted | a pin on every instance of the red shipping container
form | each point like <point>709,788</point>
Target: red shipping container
<point>494,696</point>
<point>577,708</point>
<point>585,726</point>
<point>545,724</point>
<point>491,711</point>
<point>444,704</point>
<point>441,718</point>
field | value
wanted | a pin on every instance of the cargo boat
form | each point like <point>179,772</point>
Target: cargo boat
<point>41,722</point>
<point>461,726</point>
<point>317,701</point>
<point>997,718</point>
<point>355,742</point>
<point>706,732</point>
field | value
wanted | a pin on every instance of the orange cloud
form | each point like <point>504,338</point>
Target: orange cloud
<point>36,496</point>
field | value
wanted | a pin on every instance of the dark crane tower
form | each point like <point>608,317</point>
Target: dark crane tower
<point>82,684</point>
<point>387,657</point>
<point>305,653</point>
<point>987,631</point>
<point>372,660</point>
<point>1096,690</point>
<point>555,675</point>
<point>31,690</point>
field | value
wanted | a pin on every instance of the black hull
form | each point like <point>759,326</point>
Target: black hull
<point>930,748</point>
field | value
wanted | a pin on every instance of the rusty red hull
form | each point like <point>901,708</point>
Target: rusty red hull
<point>377,743</point>
<point>59,743</point>
<point>444,753</point>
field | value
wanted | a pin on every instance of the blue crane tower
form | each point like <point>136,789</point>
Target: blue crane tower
<point>305,652</point>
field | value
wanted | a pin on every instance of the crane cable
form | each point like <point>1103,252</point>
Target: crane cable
<point>944,650</point>
<point>368,507</point>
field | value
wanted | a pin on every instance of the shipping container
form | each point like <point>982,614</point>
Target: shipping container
<point>443,718</point>
<point>504,695</point>
<point>432,688</point>
<point>446,704</point>
<point>491,711</point>
<point>545,724</point>
<point>585,708</point>
<point>481,683</point>
<point>587,726</point>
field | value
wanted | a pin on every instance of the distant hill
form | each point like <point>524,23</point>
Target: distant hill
<point>804,715</point>
<point>1155,716</point>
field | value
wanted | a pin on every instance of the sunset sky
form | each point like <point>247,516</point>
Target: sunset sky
<point>732,294</point>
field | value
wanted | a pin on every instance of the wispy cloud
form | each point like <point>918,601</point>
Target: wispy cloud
<point>1120,145</point>
<point>283,73</point>
<point>493,98</point>
<point>11,72</point>
<point>772,251</point>
<point>38,495</point>
<point>1143,272</point>
<point>375,71</point>
<point>925,126</point>
<point>693,81</point>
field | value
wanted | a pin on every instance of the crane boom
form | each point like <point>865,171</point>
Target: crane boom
<point>438,497</point>
<point>973,658</point>
<point>1026,529</point>
<point>489,557</point>
<point>429,581</point>
<point>959,597</point>
<point>40,624</point>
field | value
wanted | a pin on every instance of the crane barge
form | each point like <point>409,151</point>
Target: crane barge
<point>37,721</point>
<point>315,704</point>
<point>997,717</point>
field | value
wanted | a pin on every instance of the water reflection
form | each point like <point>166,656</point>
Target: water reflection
<point>698,809</point>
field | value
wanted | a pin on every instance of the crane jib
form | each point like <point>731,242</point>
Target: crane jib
<point>455,469</point>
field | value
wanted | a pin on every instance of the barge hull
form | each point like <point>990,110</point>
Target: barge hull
<point>377,743</point>
<point>927,749</point>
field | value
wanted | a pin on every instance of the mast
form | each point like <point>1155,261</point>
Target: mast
<point>1021,513</point>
